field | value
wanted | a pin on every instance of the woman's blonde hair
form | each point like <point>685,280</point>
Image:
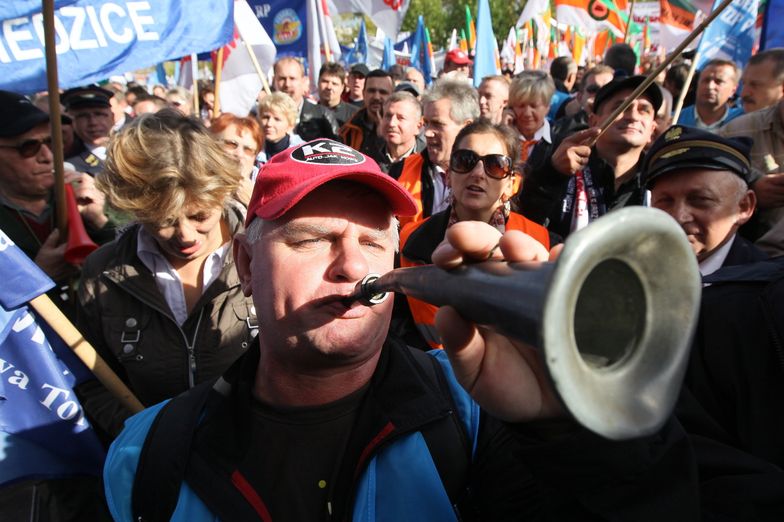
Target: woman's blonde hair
<point>162,163</point>
<point>530,86</point>
<point>282,103</point>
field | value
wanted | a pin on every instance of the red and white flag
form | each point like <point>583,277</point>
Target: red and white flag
<point>240,82</point>
<point>323,43</point>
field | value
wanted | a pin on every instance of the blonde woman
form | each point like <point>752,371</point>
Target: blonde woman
<point>278,117</point>
<point>529,102</point>
<point>162,303</point>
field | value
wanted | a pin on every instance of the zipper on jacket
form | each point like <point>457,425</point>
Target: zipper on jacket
<point>190,346</point>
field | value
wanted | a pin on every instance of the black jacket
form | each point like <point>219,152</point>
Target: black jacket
<point>544,189</point>
<point>316,121</point>
<point>534,471</point>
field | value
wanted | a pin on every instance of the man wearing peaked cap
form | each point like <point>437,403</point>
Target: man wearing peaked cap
<point>90,108</point>
<point>734,382</point>
<point>702,180</point>
<point>329,417</point>
<point>578,183</point>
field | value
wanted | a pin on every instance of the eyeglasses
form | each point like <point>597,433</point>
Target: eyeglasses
<point>29,148</point>
<point>497,166</point>
<point>233,145</point>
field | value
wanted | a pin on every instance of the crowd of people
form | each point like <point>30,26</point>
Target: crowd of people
<point>230,242</point>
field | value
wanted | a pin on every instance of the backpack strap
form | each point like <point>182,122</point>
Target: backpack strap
<point>164,458</point>
<point>448,441</point>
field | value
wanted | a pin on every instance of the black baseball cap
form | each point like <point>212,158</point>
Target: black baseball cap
<point>18,114</point>
<point>653,92</point>
<point>360,69</point>
<point>683,147</point>
<point>87,96</point>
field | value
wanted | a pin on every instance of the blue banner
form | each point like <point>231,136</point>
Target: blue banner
<point>731,35</point>
<point>17,8</point>
<point>43,431</point>
<point>96,39</point>
<point>286,24</point>
<point>22,279</point>
<point>772,31</point>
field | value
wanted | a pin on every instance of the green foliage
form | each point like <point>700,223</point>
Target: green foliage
<point>441,16</point>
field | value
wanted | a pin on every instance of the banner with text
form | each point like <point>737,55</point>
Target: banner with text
<point>99,38</point>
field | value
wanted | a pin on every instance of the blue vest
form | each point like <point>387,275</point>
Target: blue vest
<point>400,482</point>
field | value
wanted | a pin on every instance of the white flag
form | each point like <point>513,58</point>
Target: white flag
<point>240,83</point>
<point>386,14</point>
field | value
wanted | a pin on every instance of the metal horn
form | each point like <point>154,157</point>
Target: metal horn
<point>613,316</point>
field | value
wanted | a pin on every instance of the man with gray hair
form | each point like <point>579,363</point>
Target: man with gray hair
<point>447,107</point>
<point>763,88</point>
<point>400,128</point>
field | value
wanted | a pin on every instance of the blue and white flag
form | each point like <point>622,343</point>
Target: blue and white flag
<point>96,39</point>
<point>731,35</point>
<point>43,431</point>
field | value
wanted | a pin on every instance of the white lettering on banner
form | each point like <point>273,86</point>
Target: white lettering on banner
<point>263,10</point>
<point>18,378</point>
<point>5,241</point>
<point>108,9</point>
<point>96,26</point>
<point>25,321</point>
<point>138,20</point>
<point>67,409</point>
<point>15,36</point>
<point>79,17</point>
<point>113,22</point>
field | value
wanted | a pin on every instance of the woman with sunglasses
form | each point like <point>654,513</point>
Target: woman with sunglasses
<point>482,179</point>
<point>162,304</point>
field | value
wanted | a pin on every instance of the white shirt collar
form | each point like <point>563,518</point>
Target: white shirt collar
<point>714,261</point>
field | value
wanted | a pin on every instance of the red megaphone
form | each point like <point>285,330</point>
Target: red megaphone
<point>79,244</point>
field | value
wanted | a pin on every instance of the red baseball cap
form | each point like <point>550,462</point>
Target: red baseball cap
<point>458,56</point>
<point>294,173</point>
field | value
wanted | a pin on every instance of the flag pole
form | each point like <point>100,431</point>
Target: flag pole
<point>629,23</point>
<point>61,219</point>
<point>653,74</point>
<point>195,87</point>
<point>218,73</point>
<point>322,19</point>
<point>84,350</point>
<point>255,62</point>
<point>682,96</point>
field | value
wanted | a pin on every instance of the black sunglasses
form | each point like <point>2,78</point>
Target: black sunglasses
<point>497,166</point>
<point>29,148</point>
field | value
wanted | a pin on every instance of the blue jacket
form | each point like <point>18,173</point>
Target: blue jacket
<point>404,466</point>
<point>688,116</point>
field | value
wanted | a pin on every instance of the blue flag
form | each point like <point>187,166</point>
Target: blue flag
<point>96,39</point>
<point>486,47</point>
<point>43,431</point>
<point>286,23</point>
<point>772,32</point>
<point>388,59</point>
<point>16,8</point>
<point>731,35</point>
<point>358,53</point>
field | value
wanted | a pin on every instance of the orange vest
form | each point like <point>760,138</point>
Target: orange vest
<point>424,314</point>
<point>411,179</point>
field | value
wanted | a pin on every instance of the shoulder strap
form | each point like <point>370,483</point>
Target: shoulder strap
<point>165,454</point>
<point>447,439</point>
